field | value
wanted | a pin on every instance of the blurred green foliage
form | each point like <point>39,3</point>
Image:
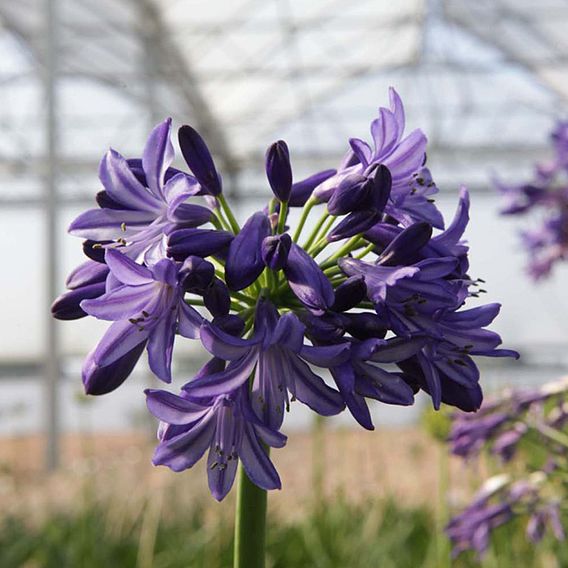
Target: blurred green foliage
<point>337,535</point>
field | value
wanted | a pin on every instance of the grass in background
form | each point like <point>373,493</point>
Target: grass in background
<point>338,535</point>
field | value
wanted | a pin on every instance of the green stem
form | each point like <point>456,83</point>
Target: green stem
<point>282,217</point>
<point>315,231</point>
<point>303,218</point>
<point>352,244</point>
<point>250,524</point>
<point>227,210</point>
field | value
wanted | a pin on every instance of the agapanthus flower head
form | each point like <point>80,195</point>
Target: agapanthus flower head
<point>317,313</point>
<point>545,199</point>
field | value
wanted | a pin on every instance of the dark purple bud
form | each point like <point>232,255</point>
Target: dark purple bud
<point>67,307</point>
<point>199,160</point>
<point>196,274</point>
<point>302,190</point>
<point>279,170</point>
<point>231,324</point>
<point>101,380</point>
<point>198,242</point>
<point>104,201</point>
<point>404,248</point>
<point>354,193</point>
<point>364,325</point>
<point>349,293</point>
<point>354,224</point>
<point>191,215</point>
<point>244,260</point>
<point>324,329</point>
<point>94,250</point>
<point>382,185</point>
<point>217,298</point>
<point>275,250</point>
<point>307,281</point>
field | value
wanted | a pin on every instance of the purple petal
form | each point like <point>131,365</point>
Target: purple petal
<point>109,224</point>
<point>189,322</point>
<point>244,260</point>
<point>236,374</point>
<point>398,349</point>
<point>362,150</point>
<point>101,380</point>
<point>172,408</point>
<point>178,189</point>
<point>89,272</point>
<point>126,270</point>
<point>120,338</point>
<point>383,386</point>
<point>408,156</point>
<point>385,131</point>
<point>289,333</point>
<point>197,242</point>
<point>158,155</point>
<point>326,355</point>
<point>224,345</point>
<point>312,390</point>
<point>67,306</point>
<point>221,477</point>
<point>256,462</point>
<point>121,303</point>
<point>161,345</point>
<point>302,190</point>
<point>308,282</point>
<point>122,186</point>
<point>185,450</point>
<point>344,377</point>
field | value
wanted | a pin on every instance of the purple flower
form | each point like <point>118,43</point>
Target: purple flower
<point>146,305</point>
<point>226,426</point>
<point>412,187</point>
<point>302,190</point>
<point>140,205</point>
<point>275,354</point>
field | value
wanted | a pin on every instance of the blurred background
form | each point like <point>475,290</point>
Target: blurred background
<point>485,81</point>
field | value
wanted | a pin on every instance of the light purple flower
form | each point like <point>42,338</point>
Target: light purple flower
<point>146,305</point>
<point>139,206</point>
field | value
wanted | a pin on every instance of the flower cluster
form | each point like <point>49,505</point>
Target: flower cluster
<point>546,197</point>
<point>369,296</point>
<point>531,419</point>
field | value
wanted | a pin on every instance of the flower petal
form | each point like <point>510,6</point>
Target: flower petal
<point>161,345</point>
<point>172,408</point>
<point>121,303</point>
<point>120,338</point>
<point>307,281</point>
<point>244,261</point>
<point>122,186</point>
<point>126,270</point>
<point>256,462</point>
<point>158,155</point>
<point>109,224</point>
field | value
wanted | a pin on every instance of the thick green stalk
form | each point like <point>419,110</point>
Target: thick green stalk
<point>315,231</point>
<point>250,524</point>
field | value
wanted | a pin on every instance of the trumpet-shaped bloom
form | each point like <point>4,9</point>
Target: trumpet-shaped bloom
<point>142,201</point>
<point>146,306</point>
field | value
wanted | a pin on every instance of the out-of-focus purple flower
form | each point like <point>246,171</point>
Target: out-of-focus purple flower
<point>279,170</point>
<point>147,305</point>
<point>226,426</point>
<point>140,205</point>
<point>547,239</point>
